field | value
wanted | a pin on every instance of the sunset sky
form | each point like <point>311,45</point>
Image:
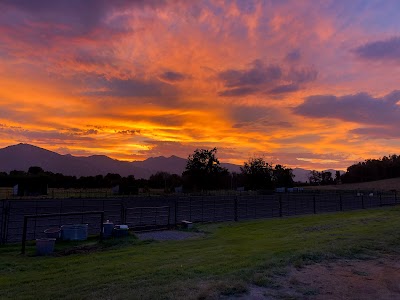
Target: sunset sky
<point>303,84</point>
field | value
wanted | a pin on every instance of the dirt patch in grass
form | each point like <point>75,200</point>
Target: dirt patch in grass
<point>82,249</point>
<point>342,279</point>
<point>167,235</point>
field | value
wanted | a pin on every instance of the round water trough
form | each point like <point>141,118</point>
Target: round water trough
<point>53,233</point>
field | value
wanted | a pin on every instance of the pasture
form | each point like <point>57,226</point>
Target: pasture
<point>229,259</point>
<point>392,184</point>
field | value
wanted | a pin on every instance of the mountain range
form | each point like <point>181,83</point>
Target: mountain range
<point>23,156</point>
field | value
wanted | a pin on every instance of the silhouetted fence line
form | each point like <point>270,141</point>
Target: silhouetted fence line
<point>165,211</point>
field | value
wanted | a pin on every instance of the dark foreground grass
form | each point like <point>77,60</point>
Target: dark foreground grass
<point>225,261</point>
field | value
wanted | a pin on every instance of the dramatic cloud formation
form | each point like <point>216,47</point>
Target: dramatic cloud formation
<point>305,84</point>
<point>171,76</point>
<point>270,79</point>
<point>380,50</point>
<point>358,108</point>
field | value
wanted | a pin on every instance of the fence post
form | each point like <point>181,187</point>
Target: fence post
<point>101,225</point>
<point>362,202</point>
<point>395,197</point>
<point>255,206</point>
<point>4,225</point>
<point>34,230</point>
<point>202,209</point>
<point>61,210</point>
<point>6,219</point>
<point>169,216</point>
<point>190,209</point>
<point>380,199</point>
<point>214,211</point>
<point>280,206</point>
<point>235,208</point>
<point>123,212</point>
<point>176,210</point>
<point>24,235</point>
<point>314,204</point>
<point>341,202</point>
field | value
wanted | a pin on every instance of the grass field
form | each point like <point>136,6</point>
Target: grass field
<point>225,261</point>
<point>378,185</point>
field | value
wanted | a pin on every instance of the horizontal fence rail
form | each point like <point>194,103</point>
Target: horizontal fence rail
<point>164,211</point>
<point>151,217</point>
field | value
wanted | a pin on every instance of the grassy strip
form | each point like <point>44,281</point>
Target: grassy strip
<point>228,258</point>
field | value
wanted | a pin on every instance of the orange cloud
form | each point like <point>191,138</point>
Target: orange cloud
<point>139,79</point>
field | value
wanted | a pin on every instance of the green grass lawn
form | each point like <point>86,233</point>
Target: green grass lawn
<point>229,258</point>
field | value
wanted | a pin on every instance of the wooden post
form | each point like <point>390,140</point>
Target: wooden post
<point>24,235</point>
<point>235,208</point>
<point>314,204</point>
<point>169,216</point>
<point>280,206</point>
<point>190,209</point>
<point>176,211</point>
<point>101,225</point>
<point>341,202</point>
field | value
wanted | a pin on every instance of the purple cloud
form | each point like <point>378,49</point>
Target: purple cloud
<point>171,76</point>
<point>302,75</point>
<point>256,118</point>
<point>236,92</point>
<point>377,132</point>
<point>358,108</point>
<point>293,56</point>
<point>380,50</point>
<point>257,74</point>
<point>266,79</point>
<point>85,15</point>
<point>114,87</point>
<point>284,89</point>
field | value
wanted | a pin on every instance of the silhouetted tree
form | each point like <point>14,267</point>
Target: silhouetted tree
<point>257,174</point>
<point>203,171</point>
<point>337,177</point>
<point>282,176</point>
<point>35,170</point>
<point>373,169</point>
<point>320,178</point>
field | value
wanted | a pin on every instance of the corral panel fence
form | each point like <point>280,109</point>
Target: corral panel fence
<point>161,212</point>
<point>16,210</point>
<point>2,220</point>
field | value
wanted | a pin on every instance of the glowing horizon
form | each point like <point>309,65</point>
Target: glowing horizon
<point>303,84</point>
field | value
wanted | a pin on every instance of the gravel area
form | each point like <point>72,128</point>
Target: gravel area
<point>167,235</point>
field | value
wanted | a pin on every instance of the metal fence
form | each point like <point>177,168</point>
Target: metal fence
<point>161,212</point>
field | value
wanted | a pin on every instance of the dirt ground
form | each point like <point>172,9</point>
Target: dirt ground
<point>166,235</point>
<point>343,279</point>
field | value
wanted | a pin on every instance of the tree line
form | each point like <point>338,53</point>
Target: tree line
<point>368,170</point>
<point>203,172</point>
<point>373,169</point>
